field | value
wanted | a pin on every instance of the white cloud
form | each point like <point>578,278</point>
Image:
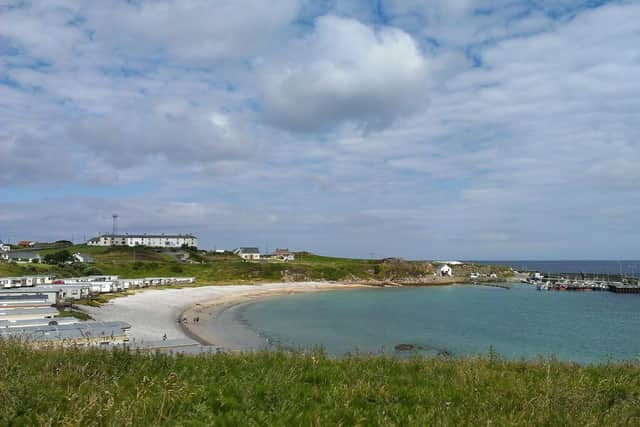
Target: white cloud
<point>182,140</point>
<point>346,71</point>
<point>194,30</point>
<point>530,148</point>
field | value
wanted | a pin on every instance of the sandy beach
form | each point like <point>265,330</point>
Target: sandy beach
<point>154,313</point>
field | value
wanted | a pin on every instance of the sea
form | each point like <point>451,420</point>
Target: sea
<point>453,321</point>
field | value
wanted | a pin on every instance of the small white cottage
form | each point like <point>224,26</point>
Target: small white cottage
<point>248,253</point>
<point>445,270</point>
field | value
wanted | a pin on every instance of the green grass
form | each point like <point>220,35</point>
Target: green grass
<point>98,300</point>
<point>226,269</point>
<point>94,387</point>
<point>80,315</point>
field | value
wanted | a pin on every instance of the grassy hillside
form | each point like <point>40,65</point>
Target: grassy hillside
<point>218,269</point>
<point>78,387</point>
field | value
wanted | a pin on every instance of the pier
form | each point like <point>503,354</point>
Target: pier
<point>623,285</point>
<point>493,284</point>
<point>625,289</point>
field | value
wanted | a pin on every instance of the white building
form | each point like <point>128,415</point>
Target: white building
<point>29,313</point>
<point>445,270</point>
<point>20,257</point>
<point>150,240</point>
<point>4,248</point>
<point>284,255</point>
<point>40,296</point>
<point>86,279</point>
<point>73,291</point>
<point>84,258</point>
<point>248,253</point>
<point>76,334</point>
<point>20,281</point>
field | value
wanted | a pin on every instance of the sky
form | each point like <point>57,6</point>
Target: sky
<point>423,129</point>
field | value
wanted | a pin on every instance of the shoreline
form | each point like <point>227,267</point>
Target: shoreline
<point>154,314</point>
<point>218,326</point>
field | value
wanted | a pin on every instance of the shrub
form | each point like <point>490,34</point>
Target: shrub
<point>59,257</point>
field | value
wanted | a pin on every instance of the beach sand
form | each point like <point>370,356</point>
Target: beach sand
<point>152,313</point>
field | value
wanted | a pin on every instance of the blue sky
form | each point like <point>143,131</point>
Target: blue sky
<point>422,129</point>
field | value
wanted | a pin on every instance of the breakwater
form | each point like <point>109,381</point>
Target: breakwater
<point>627,286</point>
<point>502,285</point>
<point>601,268</point>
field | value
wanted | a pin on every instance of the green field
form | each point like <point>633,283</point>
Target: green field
<point>99,387</point>
<point>226,269</point>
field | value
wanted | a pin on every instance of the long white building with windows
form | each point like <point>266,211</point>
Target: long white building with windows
<point>150,240</point>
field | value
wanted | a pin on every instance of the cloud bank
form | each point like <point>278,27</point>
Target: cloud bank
<point>464,129</point>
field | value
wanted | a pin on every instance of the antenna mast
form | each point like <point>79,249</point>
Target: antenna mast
<point>115,224</point>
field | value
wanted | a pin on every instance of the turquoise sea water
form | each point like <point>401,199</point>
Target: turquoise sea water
<point>461,320</point>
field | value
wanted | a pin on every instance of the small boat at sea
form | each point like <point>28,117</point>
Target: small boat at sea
<point>543,286</point>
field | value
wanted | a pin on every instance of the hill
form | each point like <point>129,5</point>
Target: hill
<point>212,268</point>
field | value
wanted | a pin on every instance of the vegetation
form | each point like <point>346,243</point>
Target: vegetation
<point>98,300</point>
<point>99,387</point>
<point>212,268</point>
<point>60,270</point>
<point>58,257</point>
<point>81,315</point>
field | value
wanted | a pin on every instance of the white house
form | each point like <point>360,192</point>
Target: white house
<point>284,255</point>
<point>21,257</point>
<point>150,240</point>
<point>248,253</point>
<point>80,257</point>
<point>445,270</point>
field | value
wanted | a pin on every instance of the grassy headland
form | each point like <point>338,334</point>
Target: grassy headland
<point>210,268</point>
<point>97,387</point>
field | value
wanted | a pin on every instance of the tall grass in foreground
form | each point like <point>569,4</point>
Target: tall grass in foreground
<point>94,387</point>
